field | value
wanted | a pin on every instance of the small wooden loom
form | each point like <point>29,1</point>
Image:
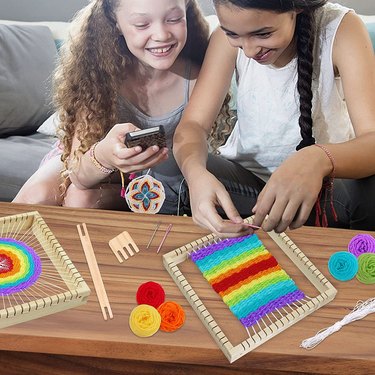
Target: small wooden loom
<point>320,289</point>
<point>59,286</point>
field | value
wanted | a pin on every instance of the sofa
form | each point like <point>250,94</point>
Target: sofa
<point>28,56</point>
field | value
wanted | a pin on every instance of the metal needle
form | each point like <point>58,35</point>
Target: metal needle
<point>165,236</point>
<point>153,234</point>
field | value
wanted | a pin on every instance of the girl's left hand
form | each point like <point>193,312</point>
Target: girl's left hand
<point>291,192</point>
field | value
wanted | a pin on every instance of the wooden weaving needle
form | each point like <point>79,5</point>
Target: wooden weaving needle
<point>94,271</point>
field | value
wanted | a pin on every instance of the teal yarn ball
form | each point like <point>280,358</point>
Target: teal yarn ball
<point>343,265</point>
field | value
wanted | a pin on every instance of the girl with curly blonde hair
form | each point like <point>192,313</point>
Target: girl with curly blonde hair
<point>129,65</point>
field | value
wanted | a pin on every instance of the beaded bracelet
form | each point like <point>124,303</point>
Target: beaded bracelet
<point>330,157</point>
<point>97,164</point>
<point>327,188</point>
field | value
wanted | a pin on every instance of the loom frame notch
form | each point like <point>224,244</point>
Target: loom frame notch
<point>326,293</point>
<point>77,291</point>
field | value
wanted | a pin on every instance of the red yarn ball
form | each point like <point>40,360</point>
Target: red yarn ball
<point>150,293</point>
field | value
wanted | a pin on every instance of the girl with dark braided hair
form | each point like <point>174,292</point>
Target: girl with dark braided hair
<point>302,149</point>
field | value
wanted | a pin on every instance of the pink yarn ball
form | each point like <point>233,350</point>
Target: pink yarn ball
<point>361,244</point>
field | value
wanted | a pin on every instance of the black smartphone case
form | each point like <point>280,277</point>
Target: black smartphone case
<point>148,140</point>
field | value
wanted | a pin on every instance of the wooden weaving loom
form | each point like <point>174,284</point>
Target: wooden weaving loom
<point>58,287</point>
<point>231,336</point>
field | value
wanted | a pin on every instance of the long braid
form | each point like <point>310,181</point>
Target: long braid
<point>305,41</point>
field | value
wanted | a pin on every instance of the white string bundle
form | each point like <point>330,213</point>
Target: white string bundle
<point>360,310</point>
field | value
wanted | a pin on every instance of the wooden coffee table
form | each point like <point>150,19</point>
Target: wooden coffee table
<point>79,341</point>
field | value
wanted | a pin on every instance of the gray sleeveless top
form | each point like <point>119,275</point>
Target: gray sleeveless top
<point>130,113</point>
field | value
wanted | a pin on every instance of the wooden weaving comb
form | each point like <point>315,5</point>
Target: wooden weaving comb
<point>122,245</point>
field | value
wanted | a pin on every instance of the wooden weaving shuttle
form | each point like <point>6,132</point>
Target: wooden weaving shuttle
<point>122,245</point>
<point>94,271</point>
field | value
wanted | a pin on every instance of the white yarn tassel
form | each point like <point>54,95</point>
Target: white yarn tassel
<point>360,310</point>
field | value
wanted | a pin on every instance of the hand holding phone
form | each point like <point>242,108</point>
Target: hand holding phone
<point>146,138</point>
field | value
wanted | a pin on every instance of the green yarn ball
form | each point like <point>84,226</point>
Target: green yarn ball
<point>366,268</point>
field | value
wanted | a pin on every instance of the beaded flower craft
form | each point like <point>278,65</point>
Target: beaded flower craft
<point>145,194</point>
<point>20,266</point>
<point>247,277</point>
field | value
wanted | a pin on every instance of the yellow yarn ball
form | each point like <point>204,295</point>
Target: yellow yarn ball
<point>144,320</point>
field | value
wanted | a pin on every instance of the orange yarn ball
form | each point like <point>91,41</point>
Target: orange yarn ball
<point>172,316</point>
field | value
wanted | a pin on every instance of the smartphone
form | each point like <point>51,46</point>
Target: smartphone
<point>146,138</point>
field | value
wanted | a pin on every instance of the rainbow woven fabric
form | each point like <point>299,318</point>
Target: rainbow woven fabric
<point>20,266</point>
<point>247,277</point>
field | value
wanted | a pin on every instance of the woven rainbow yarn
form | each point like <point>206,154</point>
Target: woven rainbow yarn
<point>20,266</point>
<point>247,277</point>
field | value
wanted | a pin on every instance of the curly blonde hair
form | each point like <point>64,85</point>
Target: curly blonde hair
<point>223,125</point>
<point>93,63</point>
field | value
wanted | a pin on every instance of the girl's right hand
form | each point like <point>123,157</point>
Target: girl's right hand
<point>112,152</point>
<point>206,194</point>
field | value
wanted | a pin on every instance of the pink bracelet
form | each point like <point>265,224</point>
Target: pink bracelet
<point>327,188</point>
<point>97,164</point>
<point>330,157</point>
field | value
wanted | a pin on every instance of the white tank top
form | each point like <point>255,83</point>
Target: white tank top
<point>267,129</point>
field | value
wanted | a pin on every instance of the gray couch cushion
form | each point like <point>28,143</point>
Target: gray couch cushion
<point>19,159</point>
<point>27,59</point>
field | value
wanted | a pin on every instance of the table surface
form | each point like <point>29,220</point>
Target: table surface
<point>78,336</point>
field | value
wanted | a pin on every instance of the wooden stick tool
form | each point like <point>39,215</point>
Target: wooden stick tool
<point>94,271</point>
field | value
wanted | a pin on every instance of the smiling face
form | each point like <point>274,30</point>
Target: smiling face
<point>154,30</point>
<point>264,36</point>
